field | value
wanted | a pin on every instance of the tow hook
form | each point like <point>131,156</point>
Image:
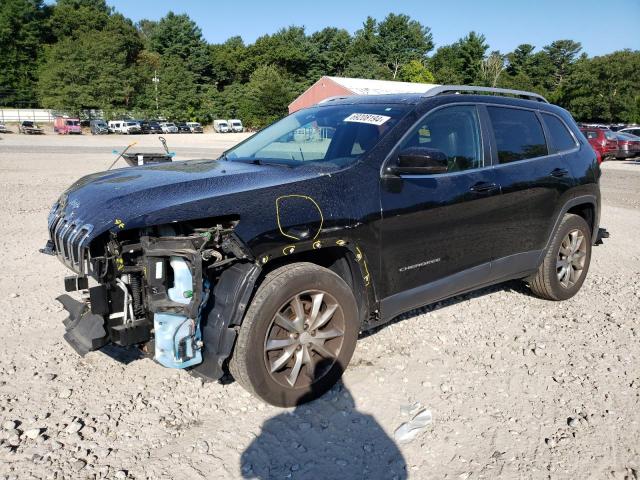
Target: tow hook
<point>602,234</point>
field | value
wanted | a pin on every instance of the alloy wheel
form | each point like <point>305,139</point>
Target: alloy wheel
<point>304,339</point>
<point>571,258</point>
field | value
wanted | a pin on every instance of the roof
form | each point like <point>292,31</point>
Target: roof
<point>397,98</point>
<point>363,86</point>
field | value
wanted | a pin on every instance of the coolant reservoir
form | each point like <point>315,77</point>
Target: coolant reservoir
<point>177,337</point>
<point>182,290</point>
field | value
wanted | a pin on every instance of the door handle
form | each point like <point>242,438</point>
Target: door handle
<point>484,187</point>
<point>559,172</point>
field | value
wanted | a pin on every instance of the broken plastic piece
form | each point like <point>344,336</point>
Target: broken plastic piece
<point>408,431</point>
<point>85,331</point>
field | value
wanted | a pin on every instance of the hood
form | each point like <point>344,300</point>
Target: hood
<point>170,192</point>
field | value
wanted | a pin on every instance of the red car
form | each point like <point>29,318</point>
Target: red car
<point>628,145</point>
<point>603,141</point>
<point>66,125</point>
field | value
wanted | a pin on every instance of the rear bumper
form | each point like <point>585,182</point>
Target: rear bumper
<point>626,153</point>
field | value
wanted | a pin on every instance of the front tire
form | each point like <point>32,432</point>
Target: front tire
<point>566,262</point>
<point>298,335</point>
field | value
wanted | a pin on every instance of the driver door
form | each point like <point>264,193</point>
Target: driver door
<point>435,226</point>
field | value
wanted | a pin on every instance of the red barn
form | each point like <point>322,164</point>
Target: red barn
<point>328,87</point>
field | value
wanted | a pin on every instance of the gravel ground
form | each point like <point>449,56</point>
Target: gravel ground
<point>517,387</point>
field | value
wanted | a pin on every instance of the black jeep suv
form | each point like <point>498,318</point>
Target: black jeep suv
<point>270,260</point>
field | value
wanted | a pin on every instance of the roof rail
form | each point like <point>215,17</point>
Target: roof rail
<point>448,89</point>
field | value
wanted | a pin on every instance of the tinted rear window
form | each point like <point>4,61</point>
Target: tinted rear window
<point>518,133</point>
<point>561,139</point>
<point>590,133</point>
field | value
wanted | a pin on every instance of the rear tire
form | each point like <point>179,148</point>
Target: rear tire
<point>298,335</point>
<point>566,262</point>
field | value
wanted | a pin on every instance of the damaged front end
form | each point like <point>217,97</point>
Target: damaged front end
<point>155,290</point>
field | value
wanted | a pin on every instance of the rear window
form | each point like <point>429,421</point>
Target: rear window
<point>561,139</point>
<point>590,133</point>
<point>609,135</point>
<point>518,134</point>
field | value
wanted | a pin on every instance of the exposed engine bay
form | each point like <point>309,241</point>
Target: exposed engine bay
<point>153,291</point>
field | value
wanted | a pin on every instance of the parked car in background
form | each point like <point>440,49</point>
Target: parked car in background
<point>603,141</point>
<point>126,127</point>
<point>221,126</point>
<point>195,127</point>
<point>66,126</point>
<point>154,126</point>
<point>632,130</point>
<point>183,127</point>
<point>168,127</point>
<point>628,145</point>
<point>4,129</point>
<point>30,128</point>
<point>236,125</point>
<point>144,126</point>
<point>98,127</point>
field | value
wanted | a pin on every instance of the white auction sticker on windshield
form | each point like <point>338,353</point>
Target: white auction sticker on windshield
<point>370,118</point>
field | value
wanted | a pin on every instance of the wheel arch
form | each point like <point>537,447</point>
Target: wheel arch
<point>341,260</point>
<point>586,206</point>
<point>587,212</point>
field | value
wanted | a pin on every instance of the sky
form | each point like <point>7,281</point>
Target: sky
<point>601,27</point>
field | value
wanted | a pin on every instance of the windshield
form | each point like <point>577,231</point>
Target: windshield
<point>73,123</point>
<point>337,134</point>
<point>27,124</point>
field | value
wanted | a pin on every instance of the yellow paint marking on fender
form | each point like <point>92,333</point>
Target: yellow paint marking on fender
<point>306,198</point>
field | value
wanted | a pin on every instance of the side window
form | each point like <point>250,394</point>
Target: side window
<point>455,131</point>
<point>561,139</point>
<point>518,134</point>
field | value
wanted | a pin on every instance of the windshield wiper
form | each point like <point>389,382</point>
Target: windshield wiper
<point>261,161</point>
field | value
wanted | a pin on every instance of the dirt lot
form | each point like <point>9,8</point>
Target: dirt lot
<point>517,387</point>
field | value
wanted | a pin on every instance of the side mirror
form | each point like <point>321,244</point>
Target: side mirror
<point>420,161</point>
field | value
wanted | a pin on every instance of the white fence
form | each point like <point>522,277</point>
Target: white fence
<point>37,115</point>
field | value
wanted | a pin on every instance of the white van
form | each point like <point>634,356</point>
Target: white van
<point>235,125</point>
<point>124,126</point>
<point>221,126</point>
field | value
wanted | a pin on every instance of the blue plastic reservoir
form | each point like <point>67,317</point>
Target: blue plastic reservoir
<point>171,330</point>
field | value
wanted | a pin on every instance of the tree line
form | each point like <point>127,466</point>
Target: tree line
<point>82,54</point>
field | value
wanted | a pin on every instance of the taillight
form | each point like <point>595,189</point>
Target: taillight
<point>598,156</point>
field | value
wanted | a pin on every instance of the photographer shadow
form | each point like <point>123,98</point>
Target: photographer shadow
<point>325,439</point>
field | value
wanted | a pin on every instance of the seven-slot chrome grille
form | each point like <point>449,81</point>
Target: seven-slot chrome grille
<point>69,235</point>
